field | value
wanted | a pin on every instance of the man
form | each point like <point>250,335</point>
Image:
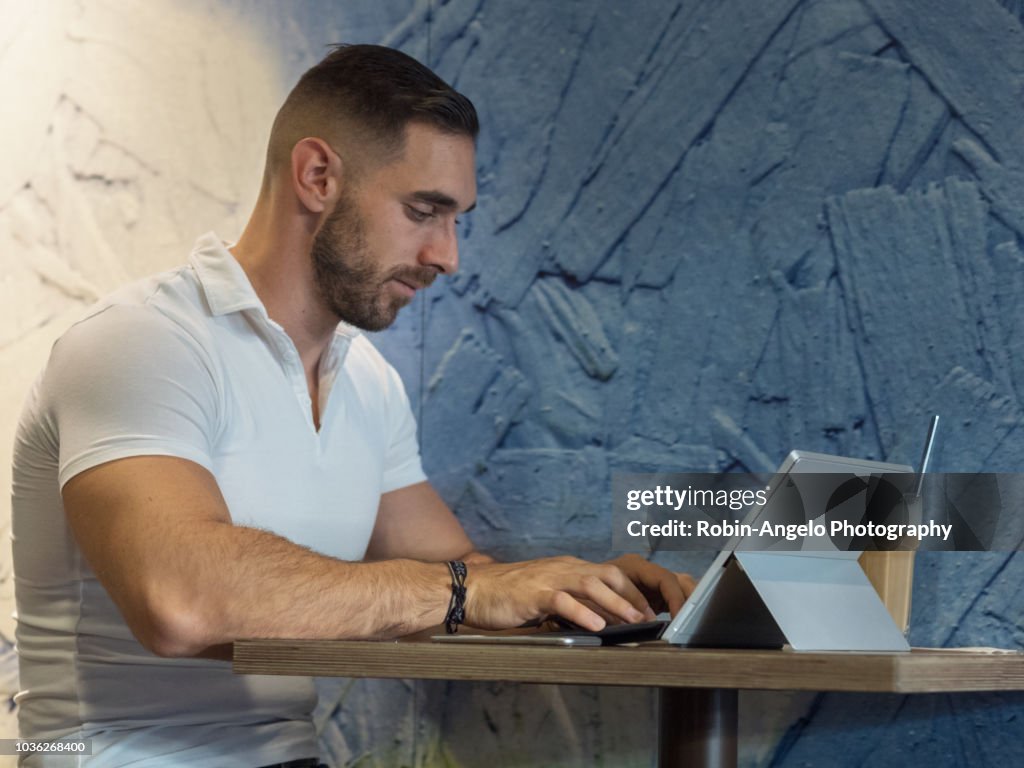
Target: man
<point>211,453</point>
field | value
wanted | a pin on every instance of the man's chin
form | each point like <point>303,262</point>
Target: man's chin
<point>396,305</point>
<point>379,321</point>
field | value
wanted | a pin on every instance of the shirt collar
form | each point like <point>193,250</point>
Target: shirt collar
<point>222,278</point>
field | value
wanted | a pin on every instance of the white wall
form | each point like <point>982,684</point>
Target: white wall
<point>129,129</point>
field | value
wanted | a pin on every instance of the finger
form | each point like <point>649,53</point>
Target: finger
<point>676,589</point>
<point>624,585</point>
<point>687,582</point>
<point>568,607</point>
<point>672,592</point>
<point>608,618</point>
<point>594,588</point>
<point>658,583</point>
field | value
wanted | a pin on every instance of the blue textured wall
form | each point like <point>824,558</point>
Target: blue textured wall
<point>710,232</point>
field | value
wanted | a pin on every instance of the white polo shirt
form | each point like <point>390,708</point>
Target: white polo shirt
<point>189,364</point>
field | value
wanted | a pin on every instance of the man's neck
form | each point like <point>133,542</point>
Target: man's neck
<point>276,260</point>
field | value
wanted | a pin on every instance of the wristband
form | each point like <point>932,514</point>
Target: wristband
<point>457,606</point>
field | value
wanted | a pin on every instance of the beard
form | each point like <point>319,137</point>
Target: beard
<point>347,275</point>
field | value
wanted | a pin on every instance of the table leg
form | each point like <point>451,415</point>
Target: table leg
<point>697,727</point>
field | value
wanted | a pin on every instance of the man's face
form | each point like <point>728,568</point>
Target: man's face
<point>395,231</point>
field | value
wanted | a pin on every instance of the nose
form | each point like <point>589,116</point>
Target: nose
<point>441,251</point>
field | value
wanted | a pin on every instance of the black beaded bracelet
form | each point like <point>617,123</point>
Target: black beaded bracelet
<point>457,607</point>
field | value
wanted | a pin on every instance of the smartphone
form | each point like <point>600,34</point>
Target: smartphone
<point>616,634</point>
<point>538,638</point>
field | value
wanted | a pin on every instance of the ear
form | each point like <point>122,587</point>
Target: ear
<point>316,174</point>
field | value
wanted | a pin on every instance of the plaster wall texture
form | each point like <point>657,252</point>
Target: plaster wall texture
<point>708,232</point>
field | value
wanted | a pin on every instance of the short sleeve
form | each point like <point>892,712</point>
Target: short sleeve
<point>128,381</point>
<point>402,465</point>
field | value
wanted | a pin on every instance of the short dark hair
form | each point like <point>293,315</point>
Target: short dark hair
<point>372,91</point>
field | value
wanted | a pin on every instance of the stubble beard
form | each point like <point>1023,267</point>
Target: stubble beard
<point>347,277</point>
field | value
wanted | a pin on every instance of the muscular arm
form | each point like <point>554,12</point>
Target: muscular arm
<point>158,535</point>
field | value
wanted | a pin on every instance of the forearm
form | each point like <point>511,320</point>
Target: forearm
<point>239,582</point>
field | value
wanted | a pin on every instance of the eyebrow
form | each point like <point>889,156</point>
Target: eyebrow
<point>440,199</point>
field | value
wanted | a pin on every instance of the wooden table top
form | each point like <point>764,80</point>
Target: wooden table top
<point>651,664</point>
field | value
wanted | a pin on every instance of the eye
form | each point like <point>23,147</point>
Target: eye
<point>418,214</point>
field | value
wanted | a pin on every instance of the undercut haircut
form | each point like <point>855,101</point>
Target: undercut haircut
<point>360,99</point>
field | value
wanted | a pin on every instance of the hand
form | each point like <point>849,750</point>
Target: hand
<point>504,595</point>
<point>662,588</point>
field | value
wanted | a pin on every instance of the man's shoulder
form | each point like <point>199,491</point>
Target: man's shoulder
<point>156,324</point>
<point>169,303</point>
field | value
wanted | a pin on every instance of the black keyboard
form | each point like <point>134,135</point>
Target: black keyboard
<point>618,634</point>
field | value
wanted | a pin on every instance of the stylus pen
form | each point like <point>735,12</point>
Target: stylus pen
<point>926,455</point>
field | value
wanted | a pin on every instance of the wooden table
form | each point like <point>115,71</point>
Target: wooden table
<point>698,687</point>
